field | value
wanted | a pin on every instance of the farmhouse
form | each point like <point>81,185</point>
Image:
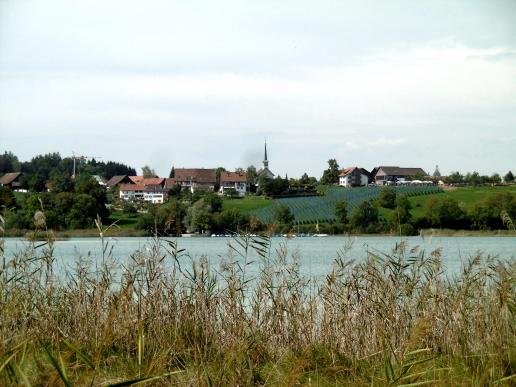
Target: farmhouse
<point>196,178</point>
<point>236,181</point>
<point>354,177</point>
<point>117,180</point>
<point>385,175</point>
<point>11,180</point>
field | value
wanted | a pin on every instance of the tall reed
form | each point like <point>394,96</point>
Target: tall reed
<point>163,317</point>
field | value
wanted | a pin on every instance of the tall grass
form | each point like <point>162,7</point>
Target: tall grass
<point>167,318</point>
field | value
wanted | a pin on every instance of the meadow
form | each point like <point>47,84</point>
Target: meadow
<point>169,319</point>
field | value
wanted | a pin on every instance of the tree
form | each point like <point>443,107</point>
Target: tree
<point>231,219</point>
<point>83,212</point>
<point>509,177</point>
<point>341,211</point>
<point>444,212</point>
<point>488,213</point>
<point>401,213</point>
<point>387,197</point>
<point>274,187</point>
<point>148,172</point>
<point>213,201</point>
<point>61,182</point>
<point>9,163</point>
<point>166,219</point>
<point>331,175</point>
<point>364,217</point>
<point>251,175</point>
<point>87,185</point>
<point>7,198</point>
<point>198,217</point>
<point>283,215</point>
<point>172,173</point>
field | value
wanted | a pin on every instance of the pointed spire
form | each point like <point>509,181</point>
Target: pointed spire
<point>265,161</point>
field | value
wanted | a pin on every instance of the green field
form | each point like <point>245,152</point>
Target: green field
<point>123,219</point>
<point>247,203</point>
<point>466,196</point>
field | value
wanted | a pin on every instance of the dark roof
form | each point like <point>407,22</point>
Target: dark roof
<point>397,171</point>
<point>8,178</point>
<point>233,177</point>
<point>196,175</point>
<point>115,180</point>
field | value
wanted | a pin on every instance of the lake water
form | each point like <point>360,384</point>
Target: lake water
<point>316,254</point>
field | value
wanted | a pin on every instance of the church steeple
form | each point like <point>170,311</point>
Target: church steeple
<point>265,161</point>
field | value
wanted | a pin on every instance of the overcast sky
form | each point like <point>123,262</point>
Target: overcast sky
<point>203,83</point>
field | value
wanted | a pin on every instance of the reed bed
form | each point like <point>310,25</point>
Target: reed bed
<point>168,319</point>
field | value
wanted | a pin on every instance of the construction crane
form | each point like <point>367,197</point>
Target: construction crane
<point>75,157</point>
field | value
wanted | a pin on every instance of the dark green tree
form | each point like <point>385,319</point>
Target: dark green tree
<point>232,220</point>
<point>401,213</point>
<point>509,177</point>
<point>283,215</point>
<point>364,217</point>
<point>7,199</point>
<point>444,212</point>
<point>341,211</point>
<point>387,197</point>
<point>331,175</point>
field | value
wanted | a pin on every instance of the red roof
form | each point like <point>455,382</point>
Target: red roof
<point>347,171</point>
<point>231,177</point>
<point>152,181</point>
<point>136,179</point>
<point>131,187</point>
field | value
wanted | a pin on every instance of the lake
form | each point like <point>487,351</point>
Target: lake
<point>316,254</point>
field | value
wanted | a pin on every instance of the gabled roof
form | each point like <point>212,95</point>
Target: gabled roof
<point>397,171</point>
<point>136,179</point>
<point>196,175</point>
<point>8,178</point>
<point>349,170</point>
<point>233,177</point>
<point>152,181</point>
<point>115,180</point>
<point>131,187</point>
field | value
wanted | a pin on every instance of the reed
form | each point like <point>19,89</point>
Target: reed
<point>165,318</point>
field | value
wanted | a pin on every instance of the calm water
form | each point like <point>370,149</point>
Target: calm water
<point>316,255</point>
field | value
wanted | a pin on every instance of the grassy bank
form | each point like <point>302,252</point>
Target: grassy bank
<point>392,320</point>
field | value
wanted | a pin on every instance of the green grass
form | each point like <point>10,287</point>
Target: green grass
<point>123,219</point>
<point>466,196</point>
<point>248,203</point>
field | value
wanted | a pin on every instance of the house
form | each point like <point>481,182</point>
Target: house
<point>234,181</point>
<point>385,175</point>
<point>354,177</point>
<point>138,192</point>
<point>265,172</point>
<point>117,180</point>
<point>11,180</point>
<point>196,178</point>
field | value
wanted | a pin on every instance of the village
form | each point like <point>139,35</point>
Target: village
<point>155,189</point>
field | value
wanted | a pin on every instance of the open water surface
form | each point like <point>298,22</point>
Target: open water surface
<point>315,254</point>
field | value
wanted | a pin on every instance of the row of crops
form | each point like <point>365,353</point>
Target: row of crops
<point>321,209</point>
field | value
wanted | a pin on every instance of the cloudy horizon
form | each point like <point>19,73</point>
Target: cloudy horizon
<point>202,84</point>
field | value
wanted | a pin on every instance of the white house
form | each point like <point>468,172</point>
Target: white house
<point>234,180</point>
<point>136,192</point>
<point>353,177</point>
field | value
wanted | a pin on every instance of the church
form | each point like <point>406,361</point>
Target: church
<point>265,172</point>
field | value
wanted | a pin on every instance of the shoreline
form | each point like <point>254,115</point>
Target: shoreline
<point>121,233</point>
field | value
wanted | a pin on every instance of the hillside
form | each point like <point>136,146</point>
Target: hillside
<point>312,209</point>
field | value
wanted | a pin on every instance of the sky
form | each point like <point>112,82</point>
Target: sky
<point>205,83</point>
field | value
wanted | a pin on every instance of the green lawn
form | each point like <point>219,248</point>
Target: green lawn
<point>466,196</point>
<point>247,203</point>
<point>123,220</point>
